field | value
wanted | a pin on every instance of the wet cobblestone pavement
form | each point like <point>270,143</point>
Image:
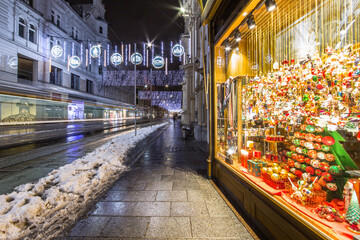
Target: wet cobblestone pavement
<point>165,195</point>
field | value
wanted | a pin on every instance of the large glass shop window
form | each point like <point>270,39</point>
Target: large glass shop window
<point>288,107</point>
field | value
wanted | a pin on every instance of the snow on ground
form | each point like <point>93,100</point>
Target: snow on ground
<point>43,209</point>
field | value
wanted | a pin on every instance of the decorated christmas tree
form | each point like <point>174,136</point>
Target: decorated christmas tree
<point>353,214</point>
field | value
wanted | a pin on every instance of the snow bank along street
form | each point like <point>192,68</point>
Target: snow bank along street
<point>43,209</point>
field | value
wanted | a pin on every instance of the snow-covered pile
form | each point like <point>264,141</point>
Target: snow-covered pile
<point>39,210</point>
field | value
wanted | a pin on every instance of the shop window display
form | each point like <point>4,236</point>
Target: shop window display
<point>288,108</point>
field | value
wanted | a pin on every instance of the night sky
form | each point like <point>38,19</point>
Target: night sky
<point>143,20</point>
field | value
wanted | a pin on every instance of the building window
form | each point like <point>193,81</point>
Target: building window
<point>55,76</point>
<point>52,16</point>
<point>89,86</point>
<point>100,70</point>
<point>100,30</point>
<point>76,34</point>
<point>58,21</point>
<point>75,81</point>
<point>72,32</point>
<point>51,42</point>
<point>25,70</point>
<point>28,2</point>
<point>22,27</point>
<point>32,33</point>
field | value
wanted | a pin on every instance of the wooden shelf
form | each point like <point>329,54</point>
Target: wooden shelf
<point>270,141</point>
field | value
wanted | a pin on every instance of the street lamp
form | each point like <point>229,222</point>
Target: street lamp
<point>148,46</point>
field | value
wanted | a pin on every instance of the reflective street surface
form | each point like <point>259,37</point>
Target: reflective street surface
<point>164,195</point>
<point>37,159</point>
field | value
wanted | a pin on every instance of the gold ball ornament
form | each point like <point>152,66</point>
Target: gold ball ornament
<point>283,174</point>
<point>276,169</point>
<point>275,177</point>
<point>291,176</point>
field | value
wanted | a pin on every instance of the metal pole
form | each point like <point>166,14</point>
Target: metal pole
<point>135,89</point>
<point>151,95</point>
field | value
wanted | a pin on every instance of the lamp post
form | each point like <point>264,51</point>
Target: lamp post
<point>148,46</point>
<point>151,95</point>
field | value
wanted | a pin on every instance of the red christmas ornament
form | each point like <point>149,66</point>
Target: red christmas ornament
<point>291,163</point>
<point>307,160</point>
<point>328,140</point>
<point>324,166</point>
<point>319,86</point>
<point>358,136</point>
<point>300,158</point>
<point>327,176</point>
<point>318,172</point>
<point>322,183</point>
<point>310,170</point>
<point>312,153</point>
<point>310,121</point>
<point>317,146</point>
<point>298,173</point>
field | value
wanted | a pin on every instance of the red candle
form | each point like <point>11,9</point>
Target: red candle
<point>244,157</point>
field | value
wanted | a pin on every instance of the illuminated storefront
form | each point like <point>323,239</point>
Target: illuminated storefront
<point>285,104</point>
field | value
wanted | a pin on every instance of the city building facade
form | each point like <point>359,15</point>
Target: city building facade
<point>195,104</point>
<point>29,29</point>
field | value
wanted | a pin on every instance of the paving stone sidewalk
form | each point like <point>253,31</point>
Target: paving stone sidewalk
<point>165,195</point>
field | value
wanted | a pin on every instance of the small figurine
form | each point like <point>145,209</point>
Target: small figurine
<point>348,189</point>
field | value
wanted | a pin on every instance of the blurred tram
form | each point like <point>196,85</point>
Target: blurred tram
<point>22,107</point>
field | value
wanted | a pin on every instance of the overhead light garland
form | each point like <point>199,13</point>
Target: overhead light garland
<point>121,78</point>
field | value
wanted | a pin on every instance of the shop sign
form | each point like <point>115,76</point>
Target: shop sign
<point>95,51</point>
<point>13,63</point>
<point>116,59</point>
<point>57,51</point>
<point>74,62</point>
<point>136,58</point>
<point>178,50</point>
<point>158,62</point>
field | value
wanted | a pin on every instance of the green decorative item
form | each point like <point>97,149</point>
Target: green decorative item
<point>335,170</point>
<point>310,128</point>
<point>306,97</point>
<point>304,151</point>
<point>352,215</point>
<point>303,167</point>
<point>315,78</point>
<point>325,148</point>
<point>288,154</point>
<point>296,142</point>
<point>317,98</point>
